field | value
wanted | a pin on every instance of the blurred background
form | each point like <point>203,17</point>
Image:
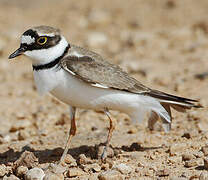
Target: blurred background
<point>162,43</point>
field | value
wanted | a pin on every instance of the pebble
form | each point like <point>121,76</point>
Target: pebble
<point>35,174</point>
<point>205,150</point>
<point>21,124</point>
<point>206,163</point>
<point>3,170</point>
<point>84,160</point>
<point>164,172</point>
<point>198,154</point>
<point>23,134</point>
<point>110,152</point>
<point>175,148</point>
<point>73,172</point>
<point>191,163</point>
<point>70,160</point>
<point>21,171</point>
<point>96,167</point>
<point>202,126</point>
<point>92,167</point>
<point>53,176</point>
<point>5,139</point>
<point>110,175</point>
<point>11,177</point>
<point>105,166</point>
<point>177,178</point>
<point>27,159</point>
<point>187,157</point>
<point>175,159</point>
<point>123,168</point>
<point>203,175</point>
<point>56,169</point>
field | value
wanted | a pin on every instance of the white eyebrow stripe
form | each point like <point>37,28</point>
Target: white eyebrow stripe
<point>27,39</point>
<point>46,34</point>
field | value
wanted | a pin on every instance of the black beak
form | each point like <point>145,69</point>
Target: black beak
<point>18,52</point>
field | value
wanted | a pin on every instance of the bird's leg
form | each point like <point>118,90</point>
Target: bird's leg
<point>111,128</point>
<point>71,133</point>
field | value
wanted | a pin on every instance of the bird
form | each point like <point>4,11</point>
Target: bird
<point>82,78</point>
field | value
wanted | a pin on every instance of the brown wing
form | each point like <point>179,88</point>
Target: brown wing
<point>101,73</point>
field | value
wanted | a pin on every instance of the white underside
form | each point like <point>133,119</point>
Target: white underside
<point>77,93</point>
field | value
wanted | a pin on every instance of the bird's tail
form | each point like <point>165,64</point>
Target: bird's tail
<point>169,101</point>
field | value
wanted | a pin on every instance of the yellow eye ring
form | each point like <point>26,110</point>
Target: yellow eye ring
<point>42,40</point>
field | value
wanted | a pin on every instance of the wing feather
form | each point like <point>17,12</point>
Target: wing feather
<point>101,73</point>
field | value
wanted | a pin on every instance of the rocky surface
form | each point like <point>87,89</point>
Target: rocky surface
<point>163,44</point>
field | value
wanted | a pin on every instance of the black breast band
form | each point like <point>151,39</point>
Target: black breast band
<point>52,63</point>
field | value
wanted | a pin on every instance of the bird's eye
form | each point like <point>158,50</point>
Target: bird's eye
<point>42,40</point>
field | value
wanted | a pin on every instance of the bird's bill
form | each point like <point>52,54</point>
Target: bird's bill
<point>18,52</point>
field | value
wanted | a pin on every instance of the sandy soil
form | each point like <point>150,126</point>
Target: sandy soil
<point>161,43</point>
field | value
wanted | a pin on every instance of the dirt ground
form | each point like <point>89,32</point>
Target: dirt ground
<point>161,43</point>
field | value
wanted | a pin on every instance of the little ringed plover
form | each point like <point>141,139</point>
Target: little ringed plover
<point>83,79</point>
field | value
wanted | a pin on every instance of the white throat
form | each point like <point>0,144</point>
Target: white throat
<point>44,56</point>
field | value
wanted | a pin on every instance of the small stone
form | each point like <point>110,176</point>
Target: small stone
<point>5,139</point>
<point>82,160</point>
<point>175,148</point>
<point>177,178</point>
<point>132,130</point>
<point>110,175</point>
<point>203,175</point>
<point>21,171</point>
<point>164,172</point>
<point>175,159</point>
<point>105,166</point>
<point>34,174</point>
<point>205,150</point>
<point>56,169</point>
<point>73,172</point>
<point>3,170</point>
<point>110,152</point>
<point>70,160</point>
<point>187,157</point>
<point>187,135</point>
<point>202,126</point>
<point>11,177</point>
<point>206,163</point>
<point>27,159</point>
<point>96,167</point>
<point>21,124</point>
<point>53,176</point>
<point>23,134</point>
<point>198,154</point>
<point>191,163</point>
<point>93,177</point>
<point>92,167</point>
<point>123,168</point>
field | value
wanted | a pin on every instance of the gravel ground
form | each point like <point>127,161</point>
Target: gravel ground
<point>162,43</point>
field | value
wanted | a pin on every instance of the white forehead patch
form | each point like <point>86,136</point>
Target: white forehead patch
<point>27,39</point>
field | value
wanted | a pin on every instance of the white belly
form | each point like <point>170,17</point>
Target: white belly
<point>77,93</point>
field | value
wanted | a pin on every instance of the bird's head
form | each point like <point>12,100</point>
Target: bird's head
<point>42,44</point>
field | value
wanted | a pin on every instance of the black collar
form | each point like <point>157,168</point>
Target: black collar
<point>52,63</point>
